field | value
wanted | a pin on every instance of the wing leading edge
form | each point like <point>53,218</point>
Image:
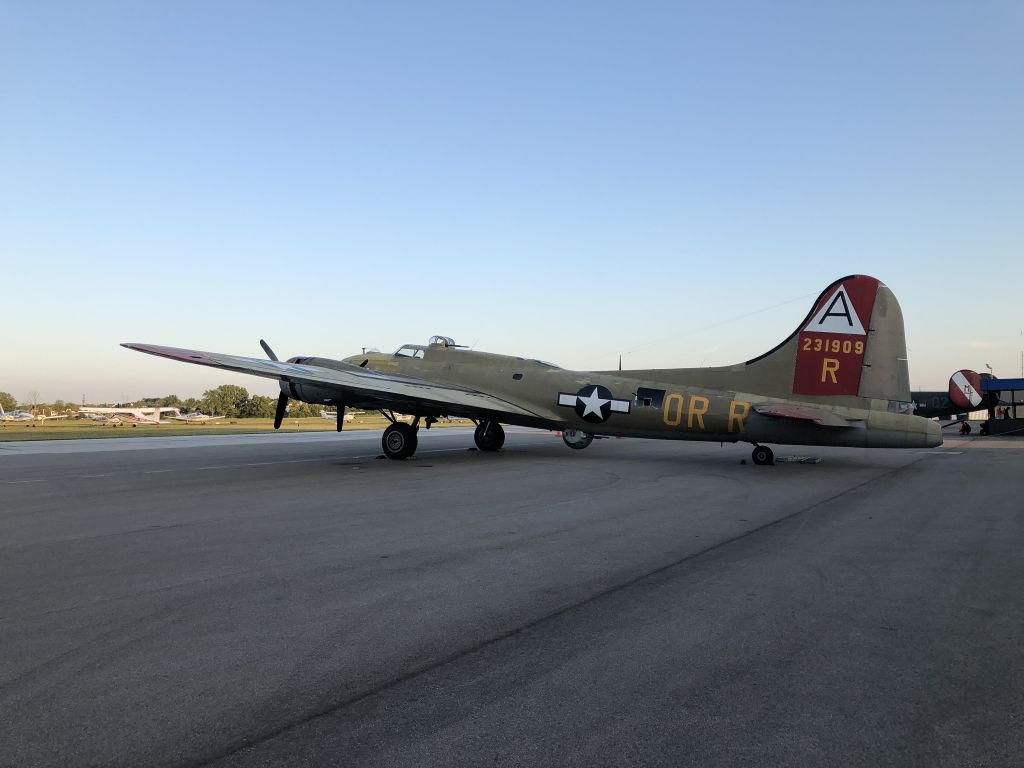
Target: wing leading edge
<point>351,381</point>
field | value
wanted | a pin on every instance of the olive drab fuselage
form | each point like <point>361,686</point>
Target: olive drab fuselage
<point>840,378</point>
<point>617,404</point>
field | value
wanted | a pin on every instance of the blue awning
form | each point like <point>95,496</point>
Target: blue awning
<point>1002,385</point>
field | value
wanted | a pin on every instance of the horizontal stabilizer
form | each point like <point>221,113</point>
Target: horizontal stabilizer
<point>802,413</point>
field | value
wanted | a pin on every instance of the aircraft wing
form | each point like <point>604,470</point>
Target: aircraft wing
<point>351,382</point>
<point>819,416</point>
<point>86,409</point>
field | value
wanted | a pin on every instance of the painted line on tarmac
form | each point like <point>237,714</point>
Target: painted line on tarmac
<point>158,442</point>
<point>226,466</point>
<point>161,442</point>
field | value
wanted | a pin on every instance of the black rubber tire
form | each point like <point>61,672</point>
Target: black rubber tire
<point>762,455</point>
<point>489,436</point>
<point>581,442</point>
<point>399,441</point>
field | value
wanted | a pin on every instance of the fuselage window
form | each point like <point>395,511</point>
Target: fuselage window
<point>517,376</point>
<point>650,398</point>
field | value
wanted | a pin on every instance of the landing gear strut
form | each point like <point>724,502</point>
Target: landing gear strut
<point>577,438</point>
<point>399,441</point>
<point>763,455</point>
<point>489,436</point>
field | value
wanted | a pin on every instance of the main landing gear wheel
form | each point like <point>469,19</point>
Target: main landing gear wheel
<point>577,438</point>
<point>763,455</point>
<point>489,436</point>
<point>399,441</point>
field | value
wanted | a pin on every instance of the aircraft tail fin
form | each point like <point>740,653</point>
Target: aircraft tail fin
<point>851,345</point>
<point>849,349</point>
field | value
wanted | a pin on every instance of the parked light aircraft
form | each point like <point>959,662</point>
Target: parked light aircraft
<point>148,415</point>
<point>51,415</point>
<point>346,417</point>
<point>195,418</point>
<point>16,415</point>
<point>840,378</point>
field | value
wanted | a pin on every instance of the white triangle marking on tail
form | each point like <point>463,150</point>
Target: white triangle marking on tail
<point>837,315</point>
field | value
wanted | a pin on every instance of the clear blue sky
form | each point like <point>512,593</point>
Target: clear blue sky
<point>568,181</point>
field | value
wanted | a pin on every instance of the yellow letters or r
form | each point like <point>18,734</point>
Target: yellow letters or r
<point>829,367</point>
<point>672,411</point>
<point>698,407</point>
<point>738,410</point>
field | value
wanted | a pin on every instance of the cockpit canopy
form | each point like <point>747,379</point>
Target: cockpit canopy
<point>417,350</point>
<point>410,350</point>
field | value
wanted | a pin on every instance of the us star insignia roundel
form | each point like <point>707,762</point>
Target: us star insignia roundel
<point>593,403</point>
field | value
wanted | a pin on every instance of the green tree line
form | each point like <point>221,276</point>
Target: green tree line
<point>227,400</point>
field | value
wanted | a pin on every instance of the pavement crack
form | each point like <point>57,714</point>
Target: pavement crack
<point>335,707</point>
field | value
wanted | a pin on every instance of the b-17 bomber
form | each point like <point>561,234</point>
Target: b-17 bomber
<point>840,379</point>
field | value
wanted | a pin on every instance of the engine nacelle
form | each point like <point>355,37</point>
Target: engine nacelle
<point>308,393</point>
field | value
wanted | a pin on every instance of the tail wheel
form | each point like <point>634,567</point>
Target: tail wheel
<point>763,455</point>
<point>577,438</point>
<point>399,441</point>
<point>489,436</point>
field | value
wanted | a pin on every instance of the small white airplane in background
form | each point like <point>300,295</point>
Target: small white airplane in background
<point>195,418</point>
<point>53,415</point>
<point>333,415</point>
<point>15,415</point>
<point>149,415</point>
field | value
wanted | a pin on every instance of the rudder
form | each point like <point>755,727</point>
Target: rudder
<point>851,345</point>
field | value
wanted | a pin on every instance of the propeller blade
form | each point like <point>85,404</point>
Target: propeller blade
<point>282,405</point>
<point>341,416</point>
<point>268,350</point>
<point>282,399</point>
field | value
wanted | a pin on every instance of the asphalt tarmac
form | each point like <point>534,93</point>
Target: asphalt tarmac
<point>292,600</point>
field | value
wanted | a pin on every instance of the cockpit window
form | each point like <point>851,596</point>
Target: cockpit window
<point>409,351</point>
